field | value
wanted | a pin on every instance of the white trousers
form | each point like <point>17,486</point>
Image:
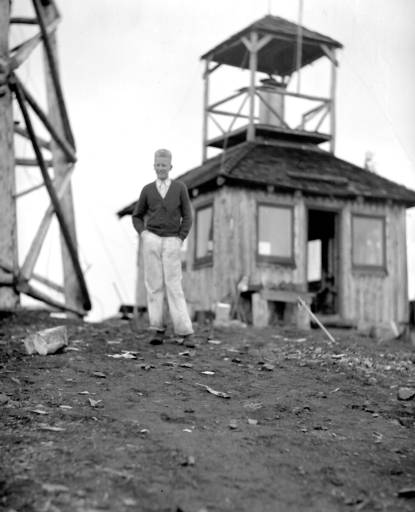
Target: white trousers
<point>163,274</point>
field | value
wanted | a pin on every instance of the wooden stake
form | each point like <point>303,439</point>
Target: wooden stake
<point>313,316</point>
<point>9,298</point>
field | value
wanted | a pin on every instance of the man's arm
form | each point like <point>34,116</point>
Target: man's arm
<point>186,210</point>
<point>140,209</point>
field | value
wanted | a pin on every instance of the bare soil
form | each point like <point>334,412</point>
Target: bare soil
<point>307,426</point>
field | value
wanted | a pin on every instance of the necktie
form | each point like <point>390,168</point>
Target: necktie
<point>163,188</point>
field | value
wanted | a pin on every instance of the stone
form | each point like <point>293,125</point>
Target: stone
<point>406,393</point>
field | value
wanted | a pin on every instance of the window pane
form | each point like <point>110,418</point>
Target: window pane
<point>368,243</point>
<point>275,231</point>
<point>314,260</point>
<point>204,230</point>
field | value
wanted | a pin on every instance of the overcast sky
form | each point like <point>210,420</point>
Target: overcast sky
<point>132,79</point>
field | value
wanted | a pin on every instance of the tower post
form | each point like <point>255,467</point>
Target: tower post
<point>253,63</point>
<point>57,116</point>
<point>9,297</point>
<point>205,109</point>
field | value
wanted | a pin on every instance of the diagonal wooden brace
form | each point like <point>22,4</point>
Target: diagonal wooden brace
<point>54,198</point>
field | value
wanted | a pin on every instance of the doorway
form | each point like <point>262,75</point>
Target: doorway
<point>323,261</point>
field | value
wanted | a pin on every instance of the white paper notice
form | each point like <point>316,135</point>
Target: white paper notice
<point>264,248</point>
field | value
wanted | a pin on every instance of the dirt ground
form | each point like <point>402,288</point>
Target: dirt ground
<point>303,425</point>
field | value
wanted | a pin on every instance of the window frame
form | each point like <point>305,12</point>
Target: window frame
<point>204,261</point>
<point>365,267</point>
<point>288,261</point>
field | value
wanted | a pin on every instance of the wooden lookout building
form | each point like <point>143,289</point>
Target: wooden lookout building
<point>275,211</point>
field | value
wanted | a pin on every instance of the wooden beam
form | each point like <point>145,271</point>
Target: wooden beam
<point>29,190</point>
<point>217,123</point>
<point>299,45</point>
<point>63,144</point>
<point>5,266</point>
<point>9,298</point>
<point>333,103</point>
<point>36,245</point>
<point>331,54</point>
<point>47,282</point>
<point>23,51</point>
<point>253,64</point>
<point>238,113</point>
<point>228,98</point>
<point>205,110</point>
<point>45,15</point>
<point>31,291</point>
<point>23,21</point>
<point>7,280</point>
<point>310,114</point>
<point>55,201</point>
<point>263,42</point>
<point>31,162</point>
<point>322,118</point>
<point>23,133</point>
<point>284,92</point>
<point>232,114</point>
<point>208,70</point>
<point>58,115</point>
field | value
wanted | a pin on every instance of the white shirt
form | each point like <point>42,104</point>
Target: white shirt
<point>163,186</point>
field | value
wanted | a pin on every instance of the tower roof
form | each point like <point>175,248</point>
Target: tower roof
<point>279,55</point>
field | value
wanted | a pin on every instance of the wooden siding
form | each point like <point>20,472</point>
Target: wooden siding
<point>365,297</point>
<point>373,297</point>
<point>235,244</point>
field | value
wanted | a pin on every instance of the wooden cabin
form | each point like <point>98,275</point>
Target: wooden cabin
<point>277,215</point>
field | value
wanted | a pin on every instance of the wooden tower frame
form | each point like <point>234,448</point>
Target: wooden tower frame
<point>264,46</point>
<point>15,280</point>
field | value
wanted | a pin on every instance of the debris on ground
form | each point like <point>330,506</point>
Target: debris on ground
<point>322,429</point>
<point>220,394</point>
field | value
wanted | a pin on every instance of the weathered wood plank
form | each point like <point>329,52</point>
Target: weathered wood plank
<point>9,299</point>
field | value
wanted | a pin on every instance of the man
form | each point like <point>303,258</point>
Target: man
<point>163,218</point>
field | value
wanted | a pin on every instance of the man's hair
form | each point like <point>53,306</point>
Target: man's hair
<point>162,153</point>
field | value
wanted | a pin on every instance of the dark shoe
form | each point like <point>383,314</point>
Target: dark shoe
<point>157,339</point>
<point>189,341</point>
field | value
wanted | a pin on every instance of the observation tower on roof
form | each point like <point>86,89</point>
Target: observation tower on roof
<point>273,51</point>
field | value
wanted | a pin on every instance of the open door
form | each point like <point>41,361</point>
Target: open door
<point>322,261</point>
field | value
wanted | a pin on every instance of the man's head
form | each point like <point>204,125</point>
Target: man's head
<point>162,163</point>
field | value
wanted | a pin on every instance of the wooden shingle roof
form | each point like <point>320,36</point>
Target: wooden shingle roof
<point>289,168</point>
<point>279,55</point>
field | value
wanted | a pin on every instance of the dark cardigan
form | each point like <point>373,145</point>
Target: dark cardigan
<point>171,216</point>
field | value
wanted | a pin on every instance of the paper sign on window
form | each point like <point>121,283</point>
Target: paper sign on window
<point>264,248</point>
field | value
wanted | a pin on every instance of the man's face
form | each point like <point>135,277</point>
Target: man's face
<point>162,166</point>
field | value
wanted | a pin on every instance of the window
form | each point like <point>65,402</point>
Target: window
<point>275,233</point>
<point>204,235</point>
<point>368,245</point>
